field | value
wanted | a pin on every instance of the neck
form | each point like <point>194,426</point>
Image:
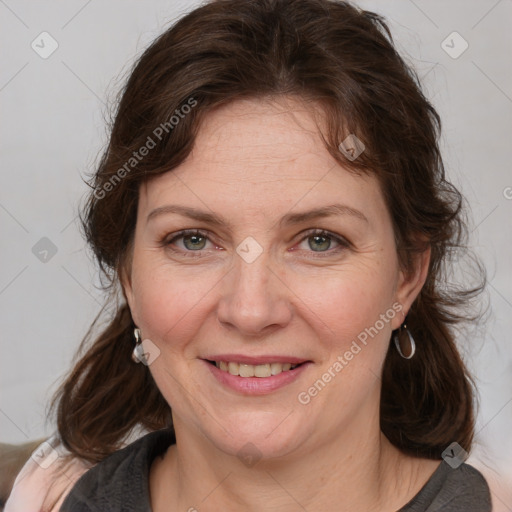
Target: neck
<point>361,470</point>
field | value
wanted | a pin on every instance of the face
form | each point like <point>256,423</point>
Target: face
<point>255,280</point>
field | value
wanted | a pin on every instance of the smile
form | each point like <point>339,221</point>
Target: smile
<point>251,370</point>
<point>255,379</point>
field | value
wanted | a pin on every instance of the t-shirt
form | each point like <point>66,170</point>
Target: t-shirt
<point>120,483</point>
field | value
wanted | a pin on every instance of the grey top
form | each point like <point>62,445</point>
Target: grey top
<point>120,483</point>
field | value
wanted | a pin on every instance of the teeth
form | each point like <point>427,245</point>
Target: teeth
<point>233,368</point>
<point>251,370</point>
<point>276,368</point>
<point>246,370</point>
<point>262,370</point>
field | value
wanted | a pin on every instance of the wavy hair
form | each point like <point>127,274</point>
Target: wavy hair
<point>343,60</point>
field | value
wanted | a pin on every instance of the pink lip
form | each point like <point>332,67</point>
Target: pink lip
<point>256,385</point>
<point>240,358</point>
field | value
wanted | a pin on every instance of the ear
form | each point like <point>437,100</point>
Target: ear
<point>410,284</point>
<point>124,274</point>
<point>126,286</point>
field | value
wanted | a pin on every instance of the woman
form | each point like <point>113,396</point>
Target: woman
<point>273,211</point>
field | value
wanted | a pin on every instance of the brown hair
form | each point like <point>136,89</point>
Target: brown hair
<point>333,55</point>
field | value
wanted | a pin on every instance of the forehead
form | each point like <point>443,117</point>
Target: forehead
<point>262,139</point>
<point>263,131</point>
<point>267,156</point>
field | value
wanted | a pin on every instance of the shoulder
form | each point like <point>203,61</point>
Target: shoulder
<point>453,489</point>
<point>45,479</point>
<point>121,481</point>
<point>466,477</point>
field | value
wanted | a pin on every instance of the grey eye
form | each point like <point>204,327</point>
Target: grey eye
<point>197,242</point>
<point>320,242</point>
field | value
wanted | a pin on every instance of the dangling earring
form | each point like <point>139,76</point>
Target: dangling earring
<point>404,342</point>
<point>138,351</point>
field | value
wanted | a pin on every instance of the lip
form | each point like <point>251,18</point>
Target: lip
<point>256,385</point>
<point>264,359</point>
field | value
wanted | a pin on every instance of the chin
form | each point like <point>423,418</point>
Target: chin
<point>258,435</point>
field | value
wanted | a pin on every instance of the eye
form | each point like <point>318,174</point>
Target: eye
<point>193,241</point>
<point>320,241</point>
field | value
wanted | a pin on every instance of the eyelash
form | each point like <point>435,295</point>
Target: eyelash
<point>343,243</point>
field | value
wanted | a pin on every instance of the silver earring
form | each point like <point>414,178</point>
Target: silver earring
<point>404,342</point>
<point>138,351</point>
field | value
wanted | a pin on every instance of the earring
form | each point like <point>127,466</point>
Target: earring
<point>138,351</point>
<point>404,342</point>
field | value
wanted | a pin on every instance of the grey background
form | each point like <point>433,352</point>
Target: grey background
<point>53,128</point>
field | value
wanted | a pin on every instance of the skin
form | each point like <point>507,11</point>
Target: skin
<point>255,161</point>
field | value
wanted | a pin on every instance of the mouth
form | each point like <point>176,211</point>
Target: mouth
<point>254,370</point>
<point>255,375</point>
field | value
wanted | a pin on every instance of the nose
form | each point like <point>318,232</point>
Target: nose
<point>254,300</point>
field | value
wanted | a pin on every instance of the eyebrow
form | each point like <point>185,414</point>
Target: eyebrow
<point>288,219</point>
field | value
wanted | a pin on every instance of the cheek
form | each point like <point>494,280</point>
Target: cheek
<point>168,304</point>
<point>352,336</point>
<point>347,302</point>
